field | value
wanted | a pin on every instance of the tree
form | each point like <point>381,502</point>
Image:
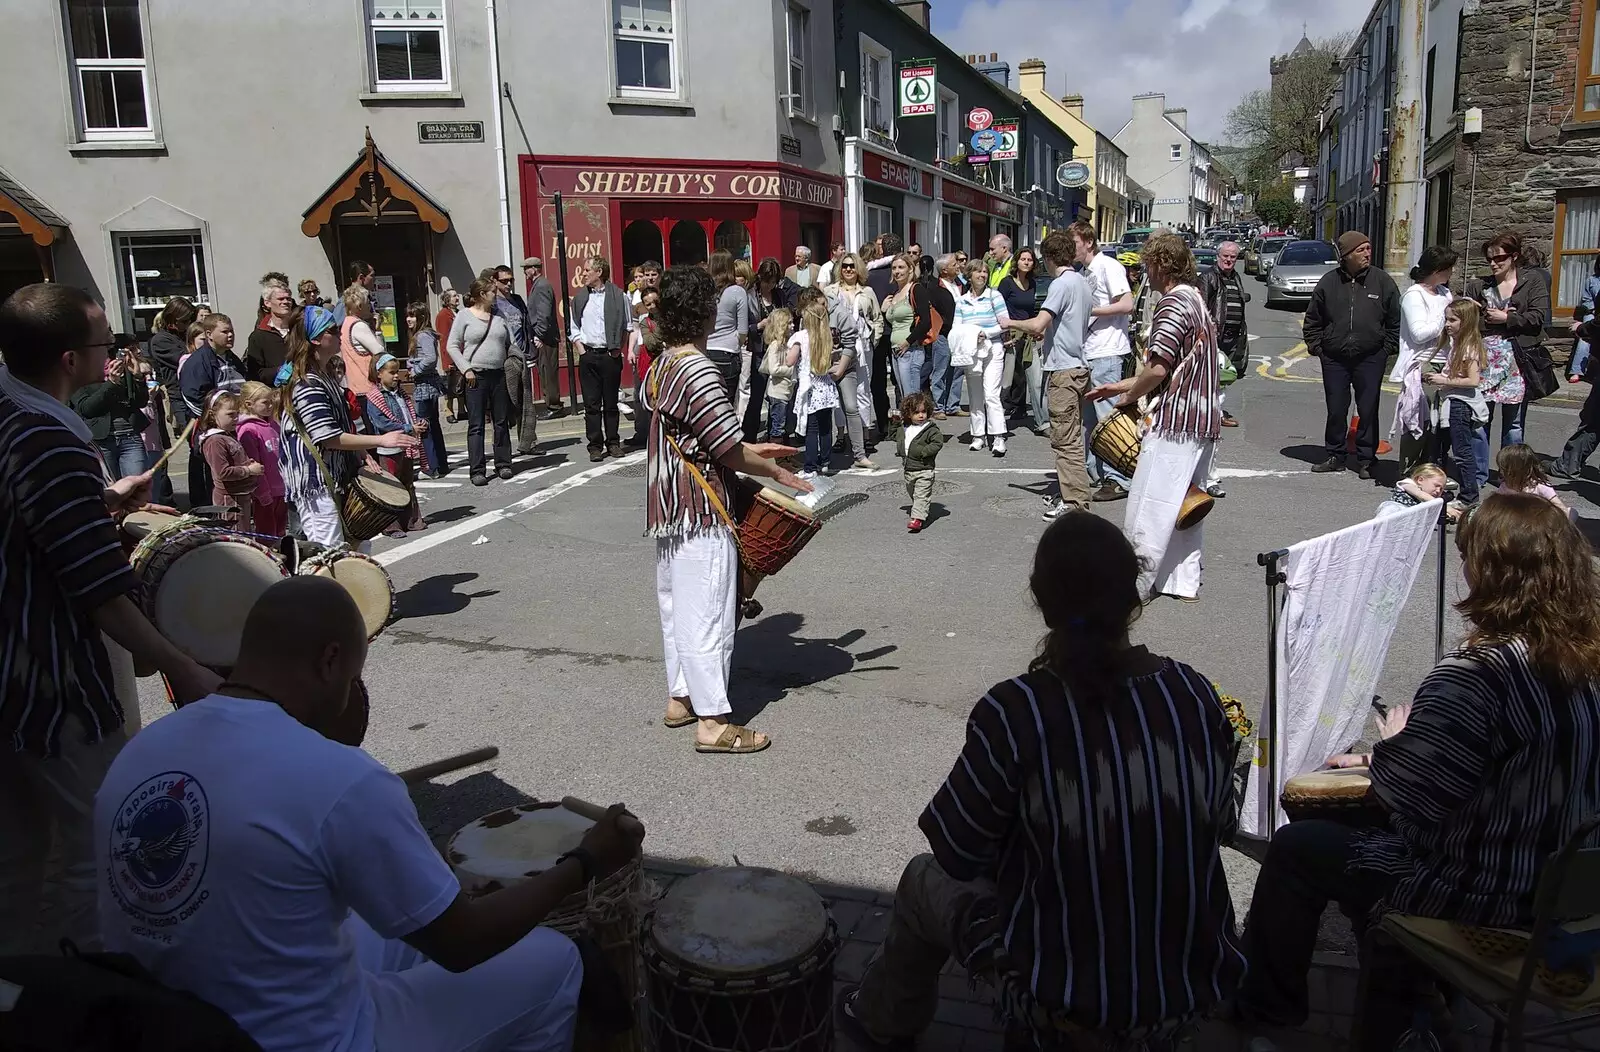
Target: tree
<point>1276,206</point>
<point>1279,126</point>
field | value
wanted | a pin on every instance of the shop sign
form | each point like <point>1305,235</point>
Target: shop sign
<point>918,88</point>
<point>383,306</point>
<point>979,119</point>
<point>1173,201</point>
<point>1006,148</point>
<point>588,230</point>
<point>984,141</point>
<point>704,184</point>
<point>789,145</point>
<point>897,174</point>
<point>1005,209</point>
<point>977,160</point>
<point>965,196</point>
<point>449,131</point>
<point>1072,174</point>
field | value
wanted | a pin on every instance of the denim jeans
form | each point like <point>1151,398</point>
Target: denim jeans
<point>945,379</point>
<point>778,418</point>
<point>426,400</point>
<point>1480,451</point>
<point>1463,429</point>
<point>1580,359</point>
<point>910,371</point>
<point>1102,371</point>
<point>819,439</point>
<point>1513,415</point>
<point>124,455</point>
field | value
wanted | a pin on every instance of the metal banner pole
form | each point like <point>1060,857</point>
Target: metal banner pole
<point>1438,622</point>
<point>566,299</point>
<point>1274,577</point>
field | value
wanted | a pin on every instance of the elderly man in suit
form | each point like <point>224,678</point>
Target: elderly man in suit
<point>804,272</point>
<point>601,314</point>
<point>544,332</point>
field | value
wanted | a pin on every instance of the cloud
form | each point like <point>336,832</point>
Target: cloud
<point>1202,54</point>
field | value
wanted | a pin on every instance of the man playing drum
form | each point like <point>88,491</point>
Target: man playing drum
<point>1180,374</point>
<point>248,858</point>
<point>693,451</point>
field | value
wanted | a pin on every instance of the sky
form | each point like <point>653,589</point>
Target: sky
<point>1202,54</point>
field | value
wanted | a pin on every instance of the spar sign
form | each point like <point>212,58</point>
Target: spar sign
<point>918,90</point>
<point>1005,130</point>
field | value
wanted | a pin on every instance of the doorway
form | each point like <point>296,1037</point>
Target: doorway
<point>399,254</point>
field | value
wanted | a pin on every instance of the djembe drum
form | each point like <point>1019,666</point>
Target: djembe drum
<point>373,502</point>
<point>199,585</point>
<point>1341,795</point>
<point>363,577</point>
<point>740,960</point>
<point>1116,441</point>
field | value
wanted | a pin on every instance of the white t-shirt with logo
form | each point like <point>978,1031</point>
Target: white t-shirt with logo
<point>1108,335</point>
<point>232,842</point>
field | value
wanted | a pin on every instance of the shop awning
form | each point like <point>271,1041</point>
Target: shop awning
<point>373,189</point>
<point>29,214</point>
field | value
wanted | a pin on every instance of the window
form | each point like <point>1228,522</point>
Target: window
<point>1588,101</point>
<point>949,118</point>
<point>646,48</point>
<point>952,229</point>
<point>799,26</point>
<point>1177,151</point>
<point>877,95</point>
<point>1427,95</point>
<point>1461,35</point>
<point>1577,247</point>
<point>1038,163</point>
<point>156,267</point>
<point>687,243</point>
<point>409,46</point>
<point>880,220</point>
<point>111,79</point>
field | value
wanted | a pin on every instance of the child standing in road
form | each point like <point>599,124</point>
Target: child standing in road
<point>258,433</point>
<point>918,446</point>
<point>387,411</point>
<point>779,373</point>
<point>234,475</point>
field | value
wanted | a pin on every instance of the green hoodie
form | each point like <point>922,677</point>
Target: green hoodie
<point>924,448</point>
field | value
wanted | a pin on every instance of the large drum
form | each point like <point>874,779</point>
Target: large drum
<point>199,586</point>
<point>1342,795</point>
<point>364,578</point>
<point>773,530</point>
<point>1116,441</point>
<point>515,843</point>
<point>374,501</point>
<point>740,960</point>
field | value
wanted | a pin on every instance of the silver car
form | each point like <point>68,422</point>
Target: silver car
<point>1268,254</point>
<point>1297,269</point>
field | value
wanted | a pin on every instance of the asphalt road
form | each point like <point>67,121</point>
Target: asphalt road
<point>527,620</point>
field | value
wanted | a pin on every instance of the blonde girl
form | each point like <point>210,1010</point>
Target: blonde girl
<point>1467,411</point>
<point>234,475</point>
<point>817,391</point>
<point>257,431</point>
<point>776,368</point>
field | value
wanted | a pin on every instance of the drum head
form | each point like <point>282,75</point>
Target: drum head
<point>739,921</point>
<point>367,582</point>
<point>786,503</point>
<point>203,596</point>
<point>513,844</point>
<point>141,524</point>
<point>383,488</point>
<point>1343,783</point>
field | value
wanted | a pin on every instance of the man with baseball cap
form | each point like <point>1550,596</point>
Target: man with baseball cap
<point>1353,325</point>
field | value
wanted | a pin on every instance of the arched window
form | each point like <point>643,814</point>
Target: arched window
<point>687,243</point>
<point>733,238</point>
<point>641,243</point>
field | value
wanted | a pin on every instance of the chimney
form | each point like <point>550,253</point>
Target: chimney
<point>1180,117</point>
<point>919,11</point>
<point>1073,104</point>
<point>1149,105</point>
<point>1030,76</point>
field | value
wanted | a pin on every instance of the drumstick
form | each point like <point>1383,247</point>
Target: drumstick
<point>175,446</point>
<point>450,763</point>
<point>594,812</point>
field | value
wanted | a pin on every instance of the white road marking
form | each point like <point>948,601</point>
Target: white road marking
<point>1227,473</point>
<point>431,484</point>
<point>488,518</point>
<point>528,476</point>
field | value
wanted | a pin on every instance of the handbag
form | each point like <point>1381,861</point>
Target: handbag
<point>1538,373</point>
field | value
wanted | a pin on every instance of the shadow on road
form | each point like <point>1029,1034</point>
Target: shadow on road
<point>444,809</point>
<point>1590,528</point>
<point>432,596</point>
<point>771,660</point>
<point>465,511</point>
<point>1305,454</point>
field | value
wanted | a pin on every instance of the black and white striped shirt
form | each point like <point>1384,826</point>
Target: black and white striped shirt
<point>60,560</point>
<point>322,410</point>
<point>1101,826</point>
<point>1492,772</point>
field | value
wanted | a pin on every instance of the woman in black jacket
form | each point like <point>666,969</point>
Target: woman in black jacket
<point>114,411</point>
<point>1516,308</point>
<point>166,351</point>
<point>934,308</point>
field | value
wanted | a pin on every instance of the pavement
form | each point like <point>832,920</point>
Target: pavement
<point>526,619</point>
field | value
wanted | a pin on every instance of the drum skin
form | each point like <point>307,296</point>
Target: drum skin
<point>199,585</point>
<point>1343,795</point>
<point>364,578</point>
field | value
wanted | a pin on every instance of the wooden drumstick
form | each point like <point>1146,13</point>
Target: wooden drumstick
<point>594,812</point>
<point>450,763</point>
<point>187,431</point>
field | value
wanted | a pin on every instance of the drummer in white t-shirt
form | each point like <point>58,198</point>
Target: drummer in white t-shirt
<point>1106,347</point>
<point>285,878</point>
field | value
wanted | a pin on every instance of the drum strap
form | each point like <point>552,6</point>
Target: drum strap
<point>327,476</point>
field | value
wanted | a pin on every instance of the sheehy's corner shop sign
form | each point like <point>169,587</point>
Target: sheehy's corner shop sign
<point>707,184</point>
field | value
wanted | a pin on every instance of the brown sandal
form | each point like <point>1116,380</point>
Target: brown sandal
<point>675,722</point>
<point>734,739</point>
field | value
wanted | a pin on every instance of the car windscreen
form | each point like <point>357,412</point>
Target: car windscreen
<point>1273,244</point>
<point>1308,254</point>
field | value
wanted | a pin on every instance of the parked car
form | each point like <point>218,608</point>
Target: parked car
<point>1267,254</point>
<point>1135,236</point>
<point>1297,269</point>
<point>1204,256</point>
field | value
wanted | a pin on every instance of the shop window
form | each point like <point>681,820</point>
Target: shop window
<point>880,220</point>
<point>156,267</point>
<point>799,29</point>
<point>949,118</point>
<point>111,78</point>
<point>1588,101</point>
<point>877,91</point>
<point>733,238</point>
<point>687,243</point>
<point>410,45</point>
<point>953,230</point>
<point>641,243</point>
<point>645,35</point>
<point>1577,247</point>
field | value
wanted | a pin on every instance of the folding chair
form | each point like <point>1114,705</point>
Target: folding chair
<point>1496,968</point>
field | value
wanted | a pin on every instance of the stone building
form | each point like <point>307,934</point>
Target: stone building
<point>1536,166</point>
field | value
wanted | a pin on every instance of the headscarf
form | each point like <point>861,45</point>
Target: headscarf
<point>382,360</point>
<point>318,320</point>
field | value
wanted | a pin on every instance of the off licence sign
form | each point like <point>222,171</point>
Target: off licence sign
<point>918,96</point>
<point>1005,132</point>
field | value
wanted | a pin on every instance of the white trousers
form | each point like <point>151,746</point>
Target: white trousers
<point>1170,557</point>
<point>697,584</point>
<point>983,394</point>
<point>319,521</point>
<point>869,414</point>
<point>524,999</point>
<point>743,400</point>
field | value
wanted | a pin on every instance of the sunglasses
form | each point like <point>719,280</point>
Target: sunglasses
<point>847,266</point>
<point>1498,259</point>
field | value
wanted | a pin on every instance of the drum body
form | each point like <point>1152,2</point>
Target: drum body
<point>1116,441</point>
<point>740,960</point>
<point>374,501</point>
<point>773,531</point>
<point>1343,795</point>
<point>199,586</point>
<point>364,578</point>
<point>515,843</point>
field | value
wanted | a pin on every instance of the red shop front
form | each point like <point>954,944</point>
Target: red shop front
<point>633,210</point>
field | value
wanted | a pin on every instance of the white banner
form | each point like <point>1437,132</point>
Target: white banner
<point>1345,592</point>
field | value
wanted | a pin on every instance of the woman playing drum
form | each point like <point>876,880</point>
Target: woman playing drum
<point>315,409</point>
<point>694,450</point>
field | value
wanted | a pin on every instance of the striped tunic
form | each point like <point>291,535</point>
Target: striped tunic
<point>1183,339</point>
<point>1100,824</point>
<point>322,409</point>
<point>60,560</point>
<point>983,310</point>
<point>689,403</point>
<point>1492,772</point>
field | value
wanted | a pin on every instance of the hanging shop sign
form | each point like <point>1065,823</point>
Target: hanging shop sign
<point>1072,174</point>
<point>979,119</point>
<point>1006,139</point>
<point>918,88</point>
<point>984,141</point>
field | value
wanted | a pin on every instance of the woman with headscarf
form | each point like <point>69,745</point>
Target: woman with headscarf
<point>316,416</point>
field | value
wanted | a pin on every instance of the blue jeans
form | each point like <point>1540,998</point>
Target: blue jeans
<point>1512,417</point>
<point>777,418</point>
<point>1102,371</point>
<point>432,442</point>
<point>1463,432</point>
<point>819,439</point>
<point>946,381</point>
<point>910,371</point>
<point>124,455</point>
<point>1580,359</point>
<point>1480,451</point>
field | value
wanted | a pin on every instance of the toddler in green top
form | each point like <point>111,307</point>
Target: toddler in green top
<point>919,445</point>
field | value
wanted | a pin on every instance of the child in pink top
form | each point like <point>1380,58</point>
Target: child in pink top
<point>258,433</point>
<point>1521,471</point>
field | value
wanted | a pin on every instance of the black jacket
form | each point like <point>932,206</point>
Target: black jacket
<point>165,351</point>
<point>925,293</point>
<point>102,405</point>
<point>1212,282</point>
<point>264,351</point>
<point>1354,317</point>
